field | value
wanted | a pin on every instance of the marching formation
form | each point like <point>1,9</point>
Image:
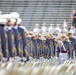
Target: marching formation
<point>17,41</point>
<point>48,45</point>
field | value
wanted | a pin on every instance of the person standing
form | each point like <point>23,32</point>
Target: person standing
<point>21,31</point>
<point>72,47</point>
<point>11,41</point>
<point>16,37</point>
<point>36,29</point>
<point>57,30</point>
<point>65,22</point>
<point>2,39</point>
<point>44,28</point>
<point>74,18</point>
<point>64,30</point>
<point>63,47</point>
<point>51,29</point>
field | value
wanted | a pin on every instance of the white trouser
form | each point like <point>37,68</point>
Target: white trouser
<point>62,57</point>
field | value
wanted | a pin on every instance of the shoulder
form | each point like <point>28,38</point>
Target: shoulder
<point>22,27</point>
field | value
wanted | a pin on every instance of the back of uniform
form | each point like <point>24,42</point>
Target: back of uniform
<point>28,47</point>
<point>3,40</point>
<point>22,32</point>
<point>16,39</point>
<point>1,54</point>
<point>52,47</point>
<point>72,46</point>
<point>39,47</point>
<point>34,47</point>
<point>11,43</point>
<point>46,48</point>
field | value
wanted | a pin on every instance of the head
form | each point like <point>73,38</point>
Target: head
<point>44,24</point>
<point>37,25</point>
<point>26,34</point>
<point>59,36</point>
<point>34,36</point>
<point>69,35</point>
<point>51,36</point>
<point>46,37</point>
<point>38,36</point>
<point>9,22</point>
<point>63,38</point>
<point>13,22</point>
<point>51,25</point>
<point>65,20</point>
<point>72,27</point>
<point>3,22</point>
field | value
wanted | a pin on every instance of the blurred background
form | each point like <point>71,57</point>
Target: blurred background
<point>40,11</point>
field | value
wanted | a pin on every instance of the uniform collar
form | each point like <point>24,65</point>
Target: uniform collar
<point>9,27</point>
<point>16,27</point>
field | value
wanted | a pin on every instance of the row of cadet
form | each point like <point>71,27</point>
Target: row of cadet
<point>12,39</point>
<point>15,41</point>
<point>47,45</point>
<point>55,30</point>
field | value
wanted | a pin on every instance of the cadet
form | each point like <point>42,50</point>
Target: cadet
<point>72,47</point>
<point>21,31</point>
<point>34,45</point>
<point>51,45</point>
<point>16,37</point>
<point>39,46</point>
<point>28,47</point>
<point>46,46</point>
<point>10,35</point>
<point>2,39</point>
<point>65,43</point>
<point>1,54</point>
<point>58,45</point>
<point>63,49</point>
<point>43,52</point>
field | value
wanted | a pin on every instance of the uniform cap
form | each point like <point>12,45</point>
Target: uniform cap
<point>59,36</point>
<point>14,15</point>
<point>19,20</point>
<point>13,21</point>
<point>37,25</point>
<point>69,32</point>
<point>29,36</point>
<point>43,38</point>
<point>54,36</point>
<point>3,21</point>
<point>64,35</point>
